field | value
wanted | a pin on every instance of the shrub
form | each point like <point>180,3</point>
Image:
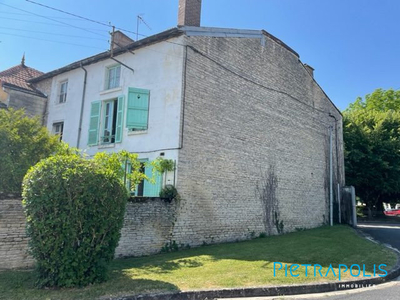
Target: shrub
<point>23,142</point>
<point>75,209</point>
<point>169,192</point>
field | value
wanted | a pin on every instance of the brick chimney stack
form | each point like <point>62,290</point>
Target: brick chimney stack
<point>189,13</point>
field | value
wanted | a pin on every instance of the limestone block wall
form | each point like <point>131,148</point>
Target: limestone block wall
<point>252,112</point>
<point>147,227</point>
<point>13,239</point>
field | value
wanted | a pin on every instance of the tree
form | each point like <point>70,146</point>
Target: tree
<point>372,147</point>
<point>23,142</point>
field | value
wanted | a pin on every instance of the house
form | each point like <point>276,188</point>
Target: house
<point>249,128</point>
<point>17,92</point>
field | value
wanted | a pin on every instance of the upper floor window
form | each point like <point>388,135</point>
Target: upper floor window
<point>63,92</point>
<point>109,121</point>
<point>105,124</point>
<point>58,129</point>
<point>113,76</point>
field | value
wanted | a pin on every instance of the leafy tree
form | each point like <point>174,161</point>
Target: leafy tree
<point>23,142</point>
<point>380,100</point>
<point>372,147</point>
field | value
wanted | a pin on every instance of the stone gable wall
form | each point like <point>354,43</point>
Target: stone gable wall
<point>252,111</point>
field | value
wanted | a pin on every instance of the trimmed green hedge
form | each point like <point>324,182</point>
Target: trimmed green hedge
<point>75,209</point>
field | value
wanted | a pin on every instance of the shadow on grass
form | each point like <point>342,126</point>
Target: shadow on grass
<point>323,246</point>
<point>20,284</point>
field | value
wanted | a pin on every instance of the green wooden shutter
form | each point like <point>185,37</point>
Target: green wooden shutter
<point>120,117</point>
<point>138,109</point>
<point>94,123</point>
<point>152,189</point>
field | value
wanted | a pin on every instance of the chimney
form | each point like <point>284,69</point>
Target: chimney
<point>120,40</point>
<point>189,13</point>
<point>310,70</point>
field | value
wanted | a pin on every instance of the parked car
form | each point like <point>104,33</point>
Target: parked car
<point>389,211</point>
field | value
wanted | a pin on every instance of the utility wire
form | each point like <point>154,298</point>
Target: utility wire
<point>254,82</point>
<point>52,33</point>
<point>51,19</point>
<point>84,18</point>
<point>53,41</point>
<point>68,13</point>
<point>25,14</point>
<point>46,23</point>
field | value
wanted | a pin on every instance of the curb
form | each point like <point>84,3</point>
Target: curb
<point>276,290</point>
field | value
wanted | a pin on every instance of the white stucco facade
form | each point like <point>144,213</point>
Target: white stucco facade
<point>158,68</point>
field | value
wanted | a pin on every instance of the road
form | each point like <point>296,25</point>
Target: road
<point>385,233</point>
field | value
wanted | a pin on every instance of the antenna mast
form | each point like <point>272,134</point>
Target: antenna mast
<point>138,21</point>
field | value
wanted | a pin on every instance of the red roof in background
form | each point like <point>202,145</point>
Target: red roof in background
<point>17,77</point>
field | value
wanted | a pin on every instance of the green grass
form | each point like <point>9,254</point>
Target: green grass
<point>241,264</point>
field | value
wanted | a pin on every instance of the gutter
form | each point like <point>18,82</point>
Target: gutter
<point>82,105</point>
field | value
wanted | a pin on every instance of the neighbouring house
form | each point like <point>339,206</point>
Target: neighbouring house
<point>17,92</point>
<point>243,118</point>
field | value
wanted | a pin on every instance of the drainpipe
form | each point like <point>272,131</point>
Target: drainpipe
<point>82,105</point>
<point>330,178</point>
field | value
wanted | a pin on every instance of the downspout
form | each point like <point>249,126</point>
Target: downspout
<point>337,165</point>
<point>82,105</point>
<point>330,178</point>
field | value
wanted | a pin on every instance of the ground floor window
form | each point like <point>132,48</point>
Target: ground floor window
<point>58,129</point>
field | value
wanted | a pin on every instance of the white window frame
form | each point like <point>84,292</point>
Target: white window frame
<point>59,124</point>
<point>62,96</point>
<point>113,82</point>
<point>107,121</point>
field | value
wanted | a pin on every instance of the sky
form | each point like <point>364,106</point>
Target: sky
<point>353,45</point>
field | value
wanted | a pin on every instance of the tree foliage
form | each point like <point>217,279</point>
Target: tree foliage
<point>372,147</point>
<point>75,208</point>
<point>23,142</point>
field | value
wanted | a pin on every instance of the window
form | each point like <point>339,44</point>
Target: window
<point>109,121</point>
<point>105,123</point>
<point>63,92</point>
<point>146,188</point>
<point>138,109</point>
<point>58,129</point>
<point>113,76</point>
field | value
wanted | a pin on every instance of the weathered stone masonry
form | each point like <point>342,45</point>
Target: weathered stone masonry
<point>147,229</point>
<point>13,239</point>
<point>250,105</point>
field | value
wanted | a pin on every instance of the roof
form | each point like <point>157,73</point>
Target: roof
<point>173,32</point>
<point>17,78</point>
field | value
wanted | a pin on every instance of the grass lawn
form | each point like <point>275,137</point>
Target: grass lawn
<point>248,263</point>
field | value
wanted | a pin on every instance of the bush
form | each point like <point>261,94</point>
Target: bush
<point>75,209</point>
<point>23,142</point>
<point>169,192</point>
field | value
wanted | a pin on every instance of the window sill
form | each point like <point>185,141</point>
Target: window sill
<point>137,132</point>
<point>106,146</point>
<point>117,89</point>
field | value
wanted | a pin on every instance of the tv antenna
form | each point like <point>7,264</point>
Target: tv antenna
<point>140,20</point>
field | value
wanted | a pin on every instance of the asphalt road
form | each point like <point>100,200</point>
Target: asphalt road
<point>385,233</point>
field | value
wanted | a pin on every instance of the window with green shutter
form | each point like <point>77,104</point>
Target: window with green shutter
<point>94,123</point>
<point>109,116</point>
<point>137,113</point>
<point>146,188</point>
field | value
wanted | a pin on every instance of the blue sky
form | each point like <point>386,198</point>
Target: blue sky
<point>353,45</point>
